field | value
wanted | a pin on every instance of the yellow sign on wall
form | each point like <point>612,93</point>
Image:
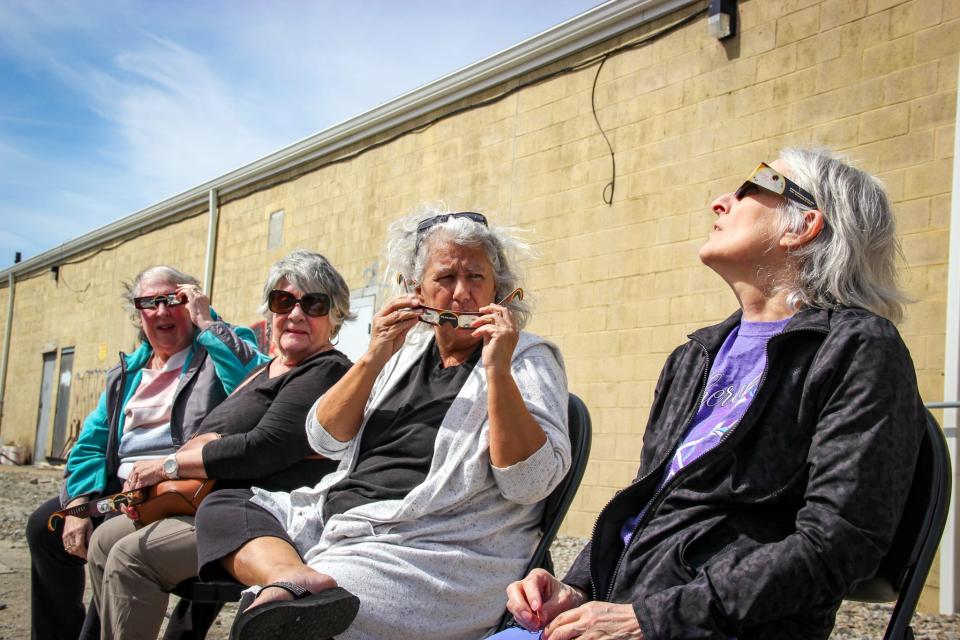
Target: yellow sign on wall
<point>102,352</point>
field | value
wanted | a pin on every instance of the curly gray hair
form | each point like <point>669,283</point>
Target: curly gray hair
<point>311,273</point>
<point>852,262</point>
<point>504,248</point>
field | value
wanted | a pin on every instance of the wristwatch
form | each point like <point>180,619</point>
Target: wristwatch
<point>170,467</point>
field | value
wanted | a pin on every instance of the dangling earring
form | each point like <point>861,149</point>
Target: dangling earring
<point>335,340</point>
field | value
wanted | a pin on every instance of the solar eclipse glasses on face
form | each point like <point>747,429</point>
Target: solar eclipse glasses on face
<point>312,304</point>
<point>769,179</point>
<point>154,302</point>
<point>458,319</point>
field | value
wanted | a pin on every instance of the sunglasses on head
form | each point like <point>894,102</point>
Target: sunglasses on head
<point>312,304</point>
<point>769,179</point>
<point>152,302</point>
<point>429,223</point>
<point>458,319</point>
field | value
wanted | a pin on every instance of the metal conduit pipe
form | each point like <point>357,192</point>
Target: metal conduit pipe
<point>213,205</point>
<point>950,543</point>
<point>5,357</point>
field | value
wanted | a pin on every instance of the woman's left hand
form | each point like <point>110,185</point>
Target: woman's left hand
<point>145,473</point>
<point>595,621</point>
<point>198,304</point>
<point>500,334</point>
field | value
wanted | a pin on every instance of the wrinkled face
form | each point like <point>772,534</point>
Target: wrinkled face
<point>744,238</point>
<point>296,335</point>
<point>168,329</point>
<point>459,279</point>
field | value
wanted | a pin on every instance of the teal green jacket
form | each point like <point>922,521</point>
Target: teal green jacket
<point>220,358</point>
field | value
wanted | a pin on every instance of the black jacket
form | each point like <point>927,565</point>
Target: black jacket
<point>764,535</point>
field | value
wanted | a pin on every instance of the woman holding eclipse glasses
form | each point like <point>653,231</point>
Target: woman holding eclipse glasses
<point>450,431</point>
<point>255,436</point>
<point>781,443</point>
<point>187,362</point>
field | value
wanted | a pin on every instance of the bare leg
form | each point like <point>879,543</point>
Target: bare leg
<point>267,559</point>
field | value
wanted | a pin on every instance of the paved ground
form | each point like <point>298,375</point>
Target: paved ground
<point>23,488</point>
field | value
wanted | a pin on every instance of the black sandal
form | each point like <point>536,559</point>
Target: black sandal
<point>308,616</point>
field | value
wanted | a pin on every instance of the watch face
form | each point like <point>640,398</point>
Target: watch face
<point>170,466</point>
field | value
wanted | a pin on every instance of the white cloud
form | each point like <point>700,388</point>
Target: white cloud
<point>176,93</point>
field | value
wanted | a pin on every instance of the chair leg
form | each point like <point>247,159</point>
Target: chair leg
<point>191,620</point>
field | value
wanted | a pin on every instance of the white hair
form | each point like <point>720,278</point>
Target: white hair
<point>508,254</point>
<point>132,289</point>
<point>852,262</point>
<point>311,273</point>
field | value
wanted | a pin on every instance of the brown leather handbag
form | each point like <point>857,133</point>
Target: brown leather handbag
<point>174,498</point>
<point>162,500</point>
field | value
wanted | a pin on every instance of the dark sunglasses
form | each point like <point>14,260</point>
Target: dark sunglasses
<point>429,223</point>
<point>312,304</point>
<point>769,179</point>
<point>152,302</point>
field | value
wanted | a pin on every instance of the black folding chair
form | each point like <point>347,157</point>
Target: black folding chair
<point>228,590</point>
<point>581,435</point>
<point>904,569</point>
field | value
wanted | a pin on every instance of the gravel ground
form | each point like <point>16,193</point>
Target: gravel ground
<point>23,488</point>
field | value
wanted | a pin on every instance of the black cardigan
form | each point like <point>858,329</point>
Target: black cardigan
<point>264,439</point>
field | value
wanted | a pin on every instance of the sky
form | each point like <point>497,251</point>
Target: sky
<point>108,107</point>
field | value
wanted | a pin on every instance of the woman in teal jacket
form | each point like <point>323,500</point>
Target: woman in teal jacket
<point>187,363</point>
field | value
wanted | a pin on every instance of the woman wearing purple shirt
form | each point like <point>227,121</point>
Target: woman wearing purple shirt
<point>781,442</point>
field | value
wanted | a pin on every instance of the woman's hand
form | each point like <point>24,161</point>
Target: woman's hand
<point>390,327</point>
<point>500,335</point>
<point>198,304</point>
<point>539,598</point>
<point>145,473</point>
<point>76,532</point>
<point>595,621</point>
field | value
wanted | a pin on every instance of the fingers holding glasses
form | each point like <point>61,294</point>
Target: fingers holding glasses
<point>390,326</point>
<point>198,305</point>
<point>500,334</point>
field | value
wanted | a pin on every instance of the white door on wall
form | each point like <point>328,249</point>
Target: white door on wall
<point>43,413</point>
<point>355,334</point>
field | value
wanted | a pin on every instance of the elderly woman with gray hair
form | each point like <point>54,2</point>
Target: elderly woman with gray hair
<point>255,436</point>
<point>781,443</point>
<point>187,362</point>
<point>448,439</point>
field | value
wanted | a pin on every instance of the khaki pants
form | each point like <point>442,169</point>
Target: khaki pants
<point>133,567</point>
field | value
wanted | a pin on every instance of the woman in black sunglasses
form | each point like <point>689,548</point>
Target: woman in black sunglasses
<point>781,443</point>
<point>449,437</point>
<point>255,436</point>
<point>187,362</point>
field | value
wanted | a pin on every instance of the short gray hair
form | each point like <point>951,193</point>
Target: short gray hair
<point>852,262</point>
<point>507,253</point>
<point>132,289</point>
<point>310,272</point>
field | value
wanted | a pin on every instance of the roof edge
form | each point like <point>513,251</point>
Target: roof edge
<point>580,32</point>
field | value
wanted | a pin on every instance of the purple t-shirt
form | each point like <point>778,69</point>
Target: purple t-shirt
<point>731,386</point>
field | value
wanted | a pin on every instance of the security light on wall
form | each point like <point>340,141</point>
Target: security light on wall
<point>722,19</point>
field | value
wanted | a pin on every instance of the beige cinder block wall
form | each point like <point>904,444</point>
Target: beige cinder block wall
<point>617,287</point>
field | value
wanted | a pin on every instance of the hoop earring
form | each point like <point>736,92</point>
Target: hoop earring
<point>335,340</point>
